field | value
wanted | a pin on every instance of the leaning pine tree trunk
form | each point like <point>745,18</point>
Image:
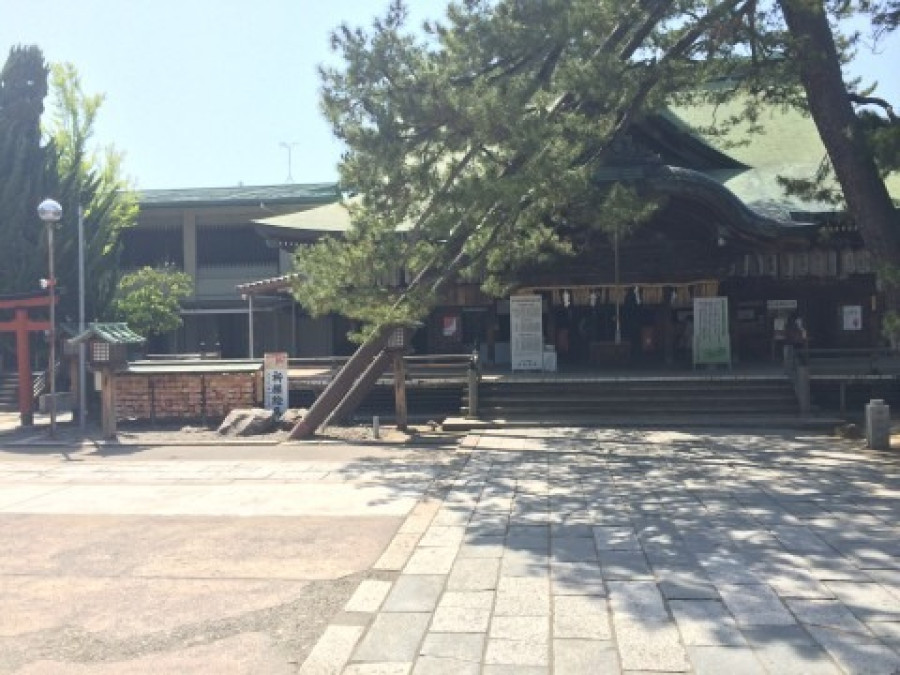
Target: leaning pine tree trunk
<point>868,200</point>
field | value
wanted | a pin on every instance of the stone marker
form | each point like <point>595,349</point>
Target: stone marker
<point>878,425</point>
<point>248,422</point>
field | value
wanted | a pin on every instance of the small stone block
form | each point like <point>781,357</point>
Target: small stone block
<point>378,669</point>
<point>517,653</point>
<point>584,657</point>
<point>369,596</point>
<point>456,646</point>
<point>719,660</point>
<point>392,638</point>
<point>461,620</point>
<point>415,593</point>
<point>581,616</point>
<point>474,574</point>
<point>536,628</point>
<point>755,604</point>
<point>332,650</point>
<point>431,560</point>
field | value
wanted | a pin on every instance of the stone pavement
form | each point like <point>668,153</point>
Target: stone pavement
<point>599,551</point>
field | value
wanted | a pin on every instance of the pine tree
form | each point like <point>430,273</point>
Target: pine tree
<point>66,169</point>
<point>484,139</point>
<point>23,168</point>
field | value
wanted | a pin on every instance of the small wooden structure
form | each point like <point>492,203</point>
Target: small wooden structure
<point>22,324</point>
<point>107,351</point>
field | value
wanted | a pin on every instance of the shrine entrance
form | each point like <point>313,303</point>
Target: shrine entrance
<point>15,317</point>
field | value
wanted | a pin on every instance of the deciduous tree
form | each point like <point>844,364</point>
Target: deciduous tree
<point>149,300</point>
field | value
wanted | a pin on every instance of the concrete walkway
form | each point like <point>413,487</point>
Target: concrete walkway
<point>590,551</point>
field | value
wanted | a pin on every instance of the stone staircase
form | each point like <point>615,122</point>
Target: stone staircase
<point>9,392</point>
<point>669,397</point>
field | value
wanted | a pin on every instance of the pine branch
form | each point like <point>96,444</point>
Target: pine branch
<point>875,100</point>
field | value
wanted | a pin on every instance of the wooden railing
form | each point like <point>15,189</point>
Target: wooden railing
<point>418,367</point>
<point>844,367</point>
<point>875,361</point>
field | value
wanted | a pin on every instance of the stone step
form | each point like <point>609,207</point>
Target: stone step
<point>681,396</point>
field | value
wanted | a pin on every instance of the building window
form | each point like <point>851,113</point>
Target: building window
<point>233,246</point>
<point>153,247</point>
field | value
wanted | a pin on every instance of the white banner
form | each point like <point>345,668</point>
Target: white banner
<point>276,381</point>
<point>712,342</point>
<point>526,332</point>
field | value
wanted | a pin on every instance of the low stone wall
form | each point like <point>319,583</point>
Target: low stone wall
<point>185,396</point>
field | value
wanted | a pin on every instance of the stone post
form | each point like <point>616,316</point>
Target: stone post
<point>878,425</point>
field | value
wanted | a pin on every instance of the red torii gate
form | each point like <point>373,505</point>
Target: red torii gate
<point>21,325</point>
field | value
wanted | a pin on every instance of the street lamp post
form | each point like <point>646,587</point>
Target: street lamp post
<point>82,383</point>
<point>50,213</point>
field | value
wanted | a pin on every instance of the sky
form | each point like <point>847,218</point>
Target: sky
<point>203,93</point>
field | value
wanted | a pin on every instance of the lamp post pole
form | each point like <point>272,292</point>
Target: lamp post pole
<point>82,385</point>
<point>50,213</point>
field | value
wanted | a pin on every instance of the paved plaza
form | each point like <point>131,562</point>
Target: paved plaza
<point>590,551</point>
<point>518,551</point>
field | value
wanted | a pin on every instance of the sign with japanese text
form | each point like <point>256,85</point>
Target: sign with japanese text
<point>276,381</point>
<point>712,342</point>
<point>852,315</point>
<point>526,332</point>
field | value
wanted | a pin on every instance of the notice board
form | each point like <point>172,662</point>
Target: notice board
<point>712,342</point>
<point>526,332</point>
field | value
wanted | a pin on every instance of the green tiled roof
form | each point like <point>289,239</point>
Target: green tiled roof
<point>114,333</point>
<point>787,145</point>
<point>292,193</point>
<point>329,219</point>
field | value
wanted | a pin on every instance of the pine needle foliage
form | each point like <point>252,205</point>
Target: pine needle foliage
<point>475,144</point>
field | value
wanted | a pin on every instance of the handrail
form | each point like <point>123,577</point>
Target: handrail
<point>418,367</point>
<point>870,360</point>
<point>39,386</point>
<point>413,360</point>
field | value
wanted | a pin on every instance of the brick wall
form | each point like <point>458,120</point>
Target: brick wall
<point>188,396</point>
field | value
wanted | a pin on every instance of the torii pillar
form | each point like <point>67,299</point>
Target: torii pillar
<point>22,324</point>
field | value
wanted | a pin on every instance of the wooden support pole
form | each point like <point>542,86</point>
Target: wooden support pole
<point>803,390</point>
<point>26,381</point>
<point>336,390</point>
<point>343,411</point>
<point>400,390</point>
<point>473,391</point>
<point>108,399</point>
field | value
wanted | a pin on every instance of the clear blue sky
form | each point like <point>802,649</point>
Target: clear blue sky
<point>199,93</point>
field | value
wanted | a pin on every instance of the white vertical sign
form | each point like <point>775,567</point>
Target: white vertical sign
<point>712,341</point>
<point>852,317</point>
<point>526,332</point>
<point>276,381</point>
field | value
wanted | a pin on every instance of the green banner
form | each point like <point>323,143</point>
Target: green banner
<point>712,341</point>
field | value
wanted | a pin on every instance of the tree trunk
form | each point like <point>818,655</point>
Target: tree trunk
<point>341,384</point>
<point>867,197</point>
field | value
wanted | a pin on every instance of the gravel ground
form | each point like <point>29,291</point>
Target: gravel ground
<point>293,628</point>
<point>147,435</point>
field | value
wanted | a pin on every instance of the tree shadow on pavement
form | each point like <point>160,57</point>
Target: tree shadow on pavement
<point>786,542</point>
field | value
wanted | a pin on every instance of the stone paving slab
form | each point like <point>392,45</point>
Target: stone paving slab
<point>601,550</point>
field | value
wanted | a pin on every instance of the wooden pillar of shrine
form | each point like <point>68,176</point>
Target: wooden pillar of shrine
<point>22,324</point>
